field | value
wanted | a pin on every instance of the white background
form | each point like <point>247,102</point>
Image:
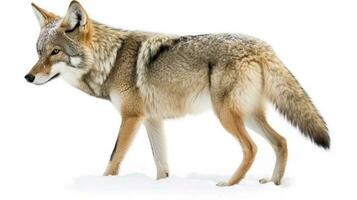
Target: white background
<point>55,141</point>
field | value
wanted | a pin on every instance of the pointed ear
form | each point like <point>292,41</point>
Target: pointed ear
<point>44,17</point>
<point>76,18</point>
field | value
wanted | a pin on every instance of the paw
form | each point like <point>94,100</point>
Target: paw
<point>110,171</point>
<point>223,184</point>
<point>162,175</point>
<point>265,180</point>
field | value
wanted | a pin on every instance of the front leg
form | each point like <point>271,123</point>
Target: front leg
<point>155,131</point>
<point>128,129</point>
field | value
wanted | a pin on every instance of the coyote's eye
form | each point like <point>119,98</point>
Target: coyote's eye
<point>55,51</point>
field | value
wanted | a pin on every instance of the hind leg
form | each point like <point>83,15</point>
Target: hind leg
<point>260,125</point>
<point>233,123</point>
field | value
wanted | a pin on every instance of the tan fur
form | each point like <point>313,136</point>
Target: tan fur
<point>42,67</point>
<point>151,77</point>
<point>279,145</point>
<point>293,102</point>
<point>48,16</point>
<point>85,31</point>
<point>232,121</point>
<point>126,134</point>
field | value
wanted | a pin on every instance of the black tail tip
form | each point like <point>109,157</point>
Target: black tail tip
<point>323,141</point>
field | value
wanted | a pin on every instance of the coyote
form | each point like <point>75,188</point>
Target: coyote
<point>150,77</point>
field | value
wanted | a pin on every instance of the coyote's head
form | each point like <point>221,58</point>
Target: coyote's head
<point>63,45</point>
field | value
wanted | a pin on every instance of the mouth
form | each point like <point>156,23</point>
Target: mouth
<point>53,77</point>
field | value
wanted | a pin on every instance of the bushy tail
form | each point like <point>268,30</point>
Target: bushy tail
<point>290,99</point>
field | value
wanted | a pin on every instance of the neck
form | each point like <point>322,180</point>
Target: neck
<point>104,47</point>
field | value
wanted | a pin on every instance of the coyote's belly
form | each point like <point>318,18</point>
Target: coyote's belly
<point>202,102</point>
<point>168,104</point>
<point>159,104</point>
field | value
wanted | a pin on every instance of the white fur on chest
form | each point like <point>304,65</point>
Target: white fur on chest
<point>115,99</point>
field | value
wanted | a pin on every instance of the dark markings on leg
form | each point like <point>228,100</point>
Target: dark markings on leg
<point>115,148</point>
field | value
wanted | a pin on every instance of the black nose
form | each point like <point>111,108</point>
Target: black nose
<point>30,78</point>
